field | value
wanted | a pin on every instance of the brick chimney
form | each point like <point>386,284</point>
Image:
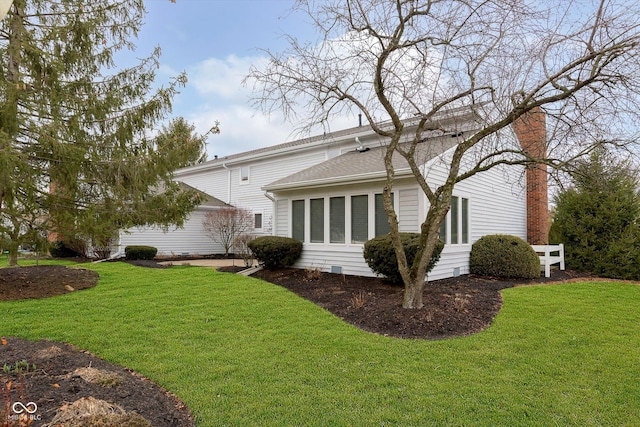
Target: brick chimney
<point>531,131</point>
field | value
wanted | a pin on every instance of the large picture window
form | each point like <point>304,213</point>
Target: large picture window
<point>359,219</point>
<point>316,210</point>
<point>336,220</point>
<point>297,220</point>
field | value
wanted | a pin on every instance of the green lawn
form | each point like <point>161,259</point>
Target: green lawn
<point>242,352</point>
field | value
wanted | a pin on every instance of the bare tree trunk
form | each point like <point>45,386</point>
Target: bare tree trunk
<point>13,254</point>
<point>413,294</point>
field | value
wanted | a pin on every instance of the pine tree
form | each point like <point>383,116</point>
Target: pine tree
<point>75,152</point>
<point>597,218</point>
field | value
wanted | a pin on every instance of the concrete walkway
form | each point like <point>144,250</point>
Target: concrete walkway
<point>207,262</point>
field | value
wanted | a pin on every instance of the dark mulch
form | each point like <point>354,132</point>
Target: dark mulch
<point>58,380</point>
<point>43,281</point>
<point>453,307</point>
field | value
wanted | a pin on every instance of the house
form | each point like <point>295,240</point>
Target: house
<point>188,240</point>
<point>326,192</point>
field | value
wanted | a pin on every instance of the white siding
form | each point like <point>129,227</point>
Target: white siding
<point>191,240</point>
<point>496,205</point>
<point>282,218</point>
<point>408,211</point>
<point>223,182</point>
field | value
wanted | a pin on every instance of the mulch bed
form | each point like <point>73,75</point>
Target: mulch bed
<point>58,379</point>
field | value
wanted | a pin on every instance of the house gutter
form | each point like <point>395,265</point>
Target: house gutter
<point>269,196</point>
<point>325,182</point>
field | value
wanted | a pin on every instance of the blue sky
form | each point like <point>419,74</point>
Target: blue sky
<point>215,42</point>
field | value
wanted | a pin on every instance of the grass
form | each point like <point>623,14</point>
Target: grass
<point>242,352</point>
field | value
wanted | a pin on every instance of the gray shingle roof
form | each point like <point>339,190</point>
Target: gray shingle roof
<point>460,115</point>
<point>360,166</point>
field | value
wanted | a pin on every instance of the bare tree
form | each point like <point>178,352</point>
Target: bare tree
<point>241,247</point>
<point>225,224</point>
<point>394,60</point>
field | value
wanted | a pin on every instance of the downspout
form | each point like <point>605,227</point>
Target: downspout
<point>224,165</point>
<point>274,213</point>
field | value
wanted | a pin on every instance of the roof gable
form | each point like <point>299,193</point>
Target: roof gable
<point>207,199</point>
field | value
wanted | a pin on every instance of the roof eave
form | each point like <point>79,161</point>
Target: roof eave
<point>328,182</point>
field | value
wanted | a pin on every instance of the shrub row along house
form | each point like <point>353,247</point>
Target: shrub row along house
<point>326,192</point>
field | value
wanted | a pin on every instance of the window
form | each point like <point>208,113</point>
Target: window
<point>458,221</point>
<point>465,221</point>
<point>359,219</point>
<point>455,237</point>
<point>244,173</point>
<point>381,218</point>
<point>317,220</point>
<point>257,220</point>
<point>297,220</point>
<point>443,231</point>
<point>336,220</point>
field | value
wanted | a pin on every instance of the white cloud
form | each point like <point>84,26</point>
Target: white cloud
<point>241,129</point>
<point>219,83</point>
<point>217,94</point>
<point>222,77</point>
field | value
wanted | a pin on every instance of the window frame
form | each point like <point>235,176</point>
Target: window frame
<point>317,220</point>
<point>385,220</point>
<point>255,216</point>
<point>296,209</point>
<point>246,180</point>
<point>461,208</point>
<point>300,203</point>
<point>332,224</point>
<point>365,222</point>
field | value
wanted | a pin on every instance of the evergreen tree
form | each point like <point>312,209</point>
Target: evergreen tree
<point>597,218</point>
<point>75,153</point>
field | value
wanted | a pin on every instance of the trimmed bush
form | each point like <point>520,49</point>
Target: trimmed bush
<point>381,258</point>
<point>275,252</point>
<point>59,249</point>
<point>140,252</point>
<point>505,256</point>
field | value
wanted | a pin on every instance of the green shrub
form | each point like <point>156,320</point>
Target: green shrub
<point>276,252</point>
<point>598,218</point>
<point>59,249</point>
<point>140,252</point>
<point>505,256</point>
<point>381,258</point>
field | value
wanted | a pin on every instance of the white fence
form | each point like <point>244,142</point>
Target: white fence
<point>549,255</point>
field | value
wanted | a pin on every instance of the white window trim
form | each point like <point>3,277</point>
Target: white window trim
<point>347,216</point>
<point>447,221</point>
<point>244,181</point>
<point>258,212</point>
